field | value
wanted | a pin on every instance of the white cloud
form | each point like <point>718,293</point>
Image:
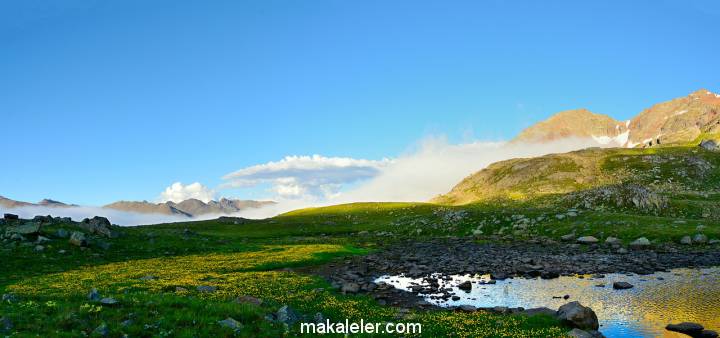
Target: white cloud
<point>178,192</point>
<point>433,168</point>
<point>436,166</point>
<point>307,176</point>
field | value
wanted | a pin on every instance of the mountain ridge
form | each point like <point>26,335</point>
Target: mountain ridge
<point>677,121</point>
<point>188,208</point>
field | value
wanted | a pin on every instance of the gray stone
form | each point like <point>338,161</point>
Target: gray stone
<point>9,298</point>
<point>109,301</point>
<point>710,145</point>
<point>287,315</point>
<point>700,239</point>
<point>206,288</point>
<point>587,240</point>
<point>29,228</point>
<point>231,323</point>
<point>94,295</point>
<point>688,328</point>
<point>97,225</point>
<point>577,333</point>
<point>686,240</point>
<point>102,330</point>
<point>39,248</point>
<point>248,300</point>
<point>568,237</point>
<point>6,324</point>
<point>78,239</point>
<point>622,285</point>
<point>613,240</point>
<point>62,233</point>
<point>467,308</point>
<point>350,288</point>
<point>640,243</point>
<point>576,315</point>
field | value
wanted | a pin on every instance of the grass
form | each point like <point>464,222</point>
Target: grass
<point>168,305</point>
<point>257,257</point>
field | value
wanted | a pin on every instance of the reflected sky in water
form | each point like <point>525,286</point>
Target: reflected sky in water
<point>643,311</point>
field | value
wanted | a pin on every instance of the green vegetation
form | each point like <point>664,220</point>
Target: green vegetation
<point>154,271</point>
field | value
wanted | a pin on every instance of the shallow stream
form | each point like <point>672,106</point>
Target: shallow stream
<point>642,311</point>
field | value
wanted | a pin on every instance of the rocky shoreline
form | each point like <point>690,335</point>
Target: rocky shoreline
<point>546,260</point>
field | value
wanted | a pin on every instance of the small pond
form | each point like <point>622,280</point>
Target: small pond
<point>642,311</point>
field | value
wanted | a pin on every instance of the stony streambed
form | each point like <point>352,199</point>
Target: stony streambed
<point>642,310</point>
<point>669,283</point>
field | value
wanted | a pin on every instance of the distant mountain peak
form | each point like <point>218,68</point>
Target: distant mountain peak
<point>189,207</point>
<point>679,120</point>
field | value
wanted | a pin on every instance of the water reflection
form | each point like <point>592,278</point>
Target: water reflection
<point>642,311</point>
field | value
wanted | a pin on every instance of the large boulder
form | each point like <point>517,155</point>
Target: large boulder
<point>28,228</point>
<point>710,145</point>
<point>690,329</point>
<point>576,315</point>
<point>98,225</point>
<point>10,217</point>
<point>78,238</point>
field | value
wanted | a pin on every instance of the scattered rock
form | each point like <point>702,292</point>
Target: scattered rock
<point>97,225</point>
<point>613,241</point>
<point>231,323</point>
<point>465,286</point>
<point>94,295</point>
<point>10,217</point>
<point>686,240</point>
<point>710,145</point>
<point>622,285</point>
<point>641,242</point>
<point>587,240</point>
<point>62,233</point>
<point>5,324</point>
<point>467,308</point>
<point>102,330</point>
<point>148,277</point>
<point>9,297</point>
<point>287,315</point>
<point>350,288</point>
<point>109,301</point>
<point>39,248</point>
<point>688,328</point>
<point>29,228</point>
<point>585,333</point>
<point>78,239</point>
<point>568,237</point>
<point>249,300</point>
<point>700,239</point>
<point>578,316</point>
<point>206,288</point>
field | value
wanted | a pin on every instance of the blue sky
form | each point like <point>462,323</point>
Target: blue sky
<point>109,100</point>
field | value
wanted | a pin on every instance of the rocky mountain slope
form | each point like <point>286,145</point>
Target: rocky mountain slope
<point>613,176</point>
<point>678,121</point>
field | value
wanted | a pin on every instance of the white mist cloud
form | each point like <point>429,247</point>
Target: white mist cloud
<point>80,212</point>
<point>306,176</point>
<point>436,166</point>
<point>433,168</point>
<point>178,192</point>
